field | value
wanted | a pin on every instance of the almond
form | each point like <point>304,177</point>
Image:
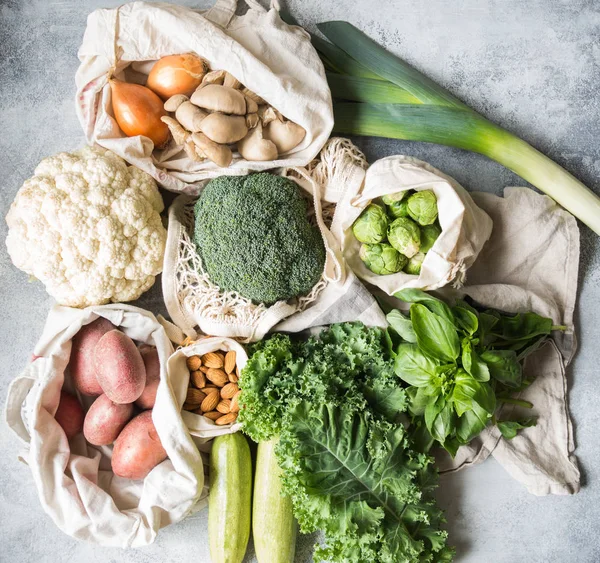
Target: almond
<point>193,363</point>
<point>235,403</point>
<point>217,376</point>
<point>213,415</point>
<point>210,402</point>
<point>211,387</point>
<point>203,369</point>
<point>226,419</point>
<point>229,361</point>
<point>213,360</point>
<point>194,396</point>
<point>189,406</point>
<point>198,379</point>
<point>233,378</point>
<point>229,390</point>
<point>224,406</point>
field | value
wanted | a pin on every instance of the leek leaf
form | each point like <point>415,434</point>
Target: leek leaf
<point>360,89</point>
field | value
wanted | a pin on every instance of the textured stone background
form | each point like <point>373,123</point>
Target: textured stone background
<point>531,65</point>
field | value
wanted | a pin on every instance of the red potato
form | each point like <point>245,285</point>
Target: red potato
<point>69,415</point>
<point>81,364</point>
<point>138,449</point>
<point>119,367</point>
<point>152,364</point>
<point>105,420</point>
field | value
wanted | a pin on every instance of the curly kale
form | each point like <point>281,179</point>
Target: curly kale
<point>254,237</point>
<point>348,463</point>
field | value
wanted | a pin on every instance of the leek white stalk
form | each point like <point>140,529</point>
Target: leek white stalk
<point>398,101</point>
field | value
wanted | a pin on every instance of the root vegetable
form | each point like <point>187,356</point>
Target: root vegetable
<point>138,111</point>
<point>190,116</point>
<point>177,74</point>
<point>254,147</point>
<point>138,449</point>
<point>174,102</point>
<point>219,154</point>
<point>69,415</point>
<point>180,135</point>
<point>220,98</point>
<point>223,128</point>
<point>81,365</point>
<point>119,367</point>
<point>152,364</point>
<point>105,420</point>
<point>285,134</point>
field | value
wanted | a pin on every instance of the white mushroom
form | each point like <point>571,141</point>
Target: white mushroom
<point>251,105</point>
<point>285,134</point>
<point>213,77</point>
<point>220,98</point>
<point>179,134</point>
<point>231,81</point>
<point>252,120</point>
<point>219,154</point>
<point>193,152</point>
<point>190,116</point>
<point>254,147</point>
<point>268,114</point>
<point>223,128</point>
<point>174,102</point>
<point>255,97</point>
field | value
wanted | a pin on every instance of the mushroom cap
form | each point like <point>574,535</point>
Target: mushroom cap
<point>285,134</point>
<point>215,97</point>
<point>223,128</point>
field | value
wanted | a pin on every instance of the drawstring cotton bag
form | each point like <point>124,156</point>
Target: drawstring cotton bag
<point>74,480</point>
<point>271,58</point>
<point>465,227</point>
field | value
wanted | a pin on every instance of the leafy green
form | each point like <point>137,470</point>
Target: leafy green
<point>509,428</point>
<point>348,462</point>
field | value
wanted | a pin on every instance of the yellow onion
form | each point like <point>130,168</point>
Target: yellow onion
<point>138,111</point>
<point>177,74</point>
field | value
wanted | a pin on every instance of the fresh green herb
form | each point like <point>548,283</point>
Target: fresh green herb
<point>509,428</point>
<point>461,363</point>
<point>347,461</point>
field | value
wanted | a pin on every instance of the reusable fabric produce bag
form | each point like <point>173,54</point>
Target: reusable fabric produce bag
<point>75,484</point>
<point>271,58</point>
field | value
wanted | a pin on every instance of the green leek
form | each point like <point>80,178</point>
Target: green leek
<point>381,106</point>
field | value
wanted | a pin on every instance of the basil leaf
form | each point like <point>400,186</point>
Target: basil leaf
<point>402,325</point>
<point>487,322</point>
<point>471,423</point>
<point>465,319</point>
<point>414,367</point>
<point>420,397</point>
<point>509,428</point>
<point>439,418</point>
<point>468,391</point>
<point>473,363</point>
<point>451,445</point>
<point>523,326</point>
<point>435,305</point>
<point>436,336</point>
<point>504,366</point>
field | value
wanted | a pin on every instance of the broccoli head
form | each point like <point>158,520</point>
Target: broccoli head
<point>254,237</point>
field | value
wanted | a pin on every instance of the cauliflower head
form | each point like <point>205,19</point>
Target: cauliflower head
<point>88,227</point>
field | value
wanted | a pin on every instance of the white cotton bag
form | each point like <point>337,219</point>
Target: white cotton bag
<point>74,480</point>
<point>273,59</point>
<point>465,227</point>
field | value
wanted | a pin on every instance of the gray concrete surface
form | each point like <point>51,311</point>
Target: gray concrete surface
<point>531,65</point>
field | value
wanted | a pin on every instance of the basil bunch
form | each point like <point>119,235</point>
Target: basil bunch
<point>460,363</point>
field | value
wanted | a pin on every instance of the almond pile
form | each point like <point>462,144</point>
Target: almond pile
<point>213,390</point>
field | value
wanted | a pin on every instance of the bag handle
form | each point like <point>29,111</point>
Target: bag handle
<point>223,11</point>
<point>17,393</point>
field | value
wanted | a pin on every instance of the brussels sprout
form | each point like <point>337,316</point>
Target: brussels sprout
<point>414,264</point>
<point>429,234</point>
<point>372,224</point>
<point>398,209</point>
<point>394,198</point>
<point>405,236</point>
<point>382,258</point>
<point>422,207</point>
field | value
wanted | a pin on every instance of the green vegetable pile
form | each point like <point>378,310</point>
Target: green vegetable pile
<point>461,363</point>
<point>254,237</point>
<point>347,461</point>
<point>397,234</point>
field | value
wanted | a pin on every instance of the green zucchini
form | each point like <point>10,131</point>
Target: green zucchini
<point>273,523</point>
<point>230,498</point>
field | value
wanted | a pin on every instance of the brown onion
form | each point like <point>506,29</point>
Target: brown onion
<point>138,111</point>
<point>177,74</point>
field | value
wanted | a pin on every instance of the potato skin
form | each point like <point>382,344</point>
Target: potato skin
<point>152,364</point>
<point>81,364</point>
<point>69,414</point>
<point>105,420</point>
<point>137,450</point>
<point>119,367</point>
